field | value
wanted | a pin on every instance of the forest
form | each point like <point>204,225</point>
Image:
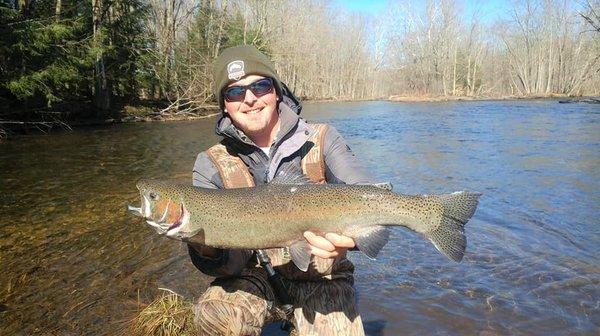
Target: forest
<point>73,59</point>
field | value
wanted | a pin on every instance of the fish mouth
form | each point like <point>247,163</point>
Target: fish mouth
<point>135,211</point>
<point>144,209</point>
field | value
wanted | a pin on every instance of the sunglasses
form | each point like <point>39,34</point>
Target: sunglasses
<point>238,93</point>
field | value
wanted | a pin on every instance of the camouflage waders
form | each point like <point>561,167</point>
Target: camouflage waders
<point>243,305</point>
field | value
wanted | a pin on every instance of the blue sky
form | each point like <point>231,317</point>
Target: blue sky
<point>488,10</point>
<point>364,6</point>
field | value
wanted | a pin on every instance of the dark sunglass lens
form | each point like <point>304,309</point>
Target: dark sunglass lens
<point>259,88</point>
<point>262,87</point>
<point>235,93</point>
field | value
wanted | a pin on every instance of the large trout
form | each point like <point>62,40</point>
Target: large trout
<point>277,214</point>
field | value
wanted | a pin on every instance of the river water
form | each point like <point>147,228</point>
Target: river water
<point>73,261</point>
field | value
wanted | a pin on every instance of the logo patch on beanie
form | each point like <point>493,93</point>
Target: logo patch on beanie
<point>235,70</point>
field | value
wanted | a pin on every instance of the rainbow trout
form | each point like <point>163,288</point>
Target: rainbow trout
<point>277,214</point>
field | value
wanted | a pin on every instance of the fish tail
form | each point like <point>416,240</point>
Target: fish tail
<point>449,236</point>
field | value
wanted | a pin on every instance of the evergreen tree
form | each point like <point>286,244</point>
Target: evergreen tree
<point>44,57</point>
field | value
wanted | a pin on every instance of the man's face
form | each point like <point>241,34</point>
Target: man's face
<point>251,114</point>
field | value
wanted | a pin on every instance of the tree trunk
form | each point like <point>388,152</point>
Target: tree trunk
<point>101,91</point>
<point>221,30</point>
<point>454,71</point>
<point>21,5</point>
<point>57,10</point>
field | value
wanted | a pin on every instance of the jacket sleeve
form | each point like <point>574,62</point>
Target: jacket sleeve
<point>205,174</point>
<point>227,262</point>
<point>341,165</point>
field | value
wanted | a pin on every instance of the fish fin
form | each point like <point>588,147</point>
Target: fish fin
<point>371,240</point>
<point>300,252</point>
<point>290,175</point>
<point>449,237</point>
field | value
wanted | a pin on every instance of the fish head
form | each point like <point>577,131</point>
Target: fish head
<point>160,206</point>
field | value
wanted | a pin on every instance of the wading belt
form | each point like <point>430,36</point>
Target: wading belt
<point>235,174</point>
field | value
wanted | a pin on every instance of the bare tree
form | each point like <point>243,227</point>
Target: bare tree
<point>591,13</point>
<point>322,52</point>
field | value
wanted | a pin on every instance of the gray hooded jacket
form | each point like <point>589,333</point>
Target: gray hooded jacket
<point>341,167</point>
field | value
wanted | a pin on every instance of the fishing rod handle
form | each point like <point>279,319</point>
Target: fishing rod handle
<point>276,282</point>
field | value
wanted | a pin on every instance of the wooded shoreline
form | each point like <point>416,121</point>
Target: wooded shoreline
<point>142,113</point>
<point>72,60</point>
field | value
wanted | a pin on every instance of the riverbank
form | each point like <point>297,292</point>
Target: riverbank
<point>67,117</point>
<point>132,113</point>
<point>73,116</point>
<point>562,98</point>
<point>426,98</point>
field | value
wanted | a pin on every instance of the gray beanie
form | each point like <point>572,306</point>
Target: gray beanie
<point>236,62</point>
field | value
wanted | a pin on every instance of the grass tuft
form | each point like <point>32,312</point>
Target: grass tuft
<point>168,315</point>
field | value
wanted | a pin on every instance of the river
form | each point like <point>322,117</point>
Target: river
<point>74,262</point>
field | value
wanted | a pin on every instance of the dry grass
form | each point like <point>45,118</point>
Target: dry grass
<point>168,315</point>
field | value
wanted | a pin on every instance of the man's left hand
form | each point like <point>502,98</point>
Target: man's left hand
<point>329,246</point>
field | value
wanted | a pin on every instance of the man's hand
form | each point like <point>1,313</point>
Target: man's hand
<point>330,246</point>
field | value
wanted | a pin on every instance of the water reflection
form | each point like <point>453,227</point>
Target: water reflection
<point>74,261</point>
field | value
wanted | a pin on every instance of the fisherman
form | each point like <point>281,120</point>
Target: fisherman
<point>262,137</point>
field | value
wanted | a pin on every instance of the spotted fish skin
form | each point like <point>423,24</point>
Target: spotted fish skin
<point>276,215</point>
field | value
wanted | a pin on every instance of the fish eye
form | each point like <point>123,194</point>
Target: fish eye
<point>153,196</point>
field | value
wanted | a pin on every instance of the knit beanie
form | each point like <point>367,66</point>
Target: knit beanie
<point>236,62</point>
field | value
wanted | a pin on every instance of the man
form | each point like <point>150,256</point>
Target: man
<point>264,134</point>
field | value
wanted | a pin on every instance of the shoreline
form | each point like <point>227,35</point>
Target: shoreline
<point>419,99</point>
<point>426,99</point>
<point>142,113</point>
<point>128,114</point>
<point>142,118</point>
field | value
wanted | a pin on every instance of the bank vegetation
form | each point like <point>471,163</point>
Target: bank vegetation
<point>72,59</point>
